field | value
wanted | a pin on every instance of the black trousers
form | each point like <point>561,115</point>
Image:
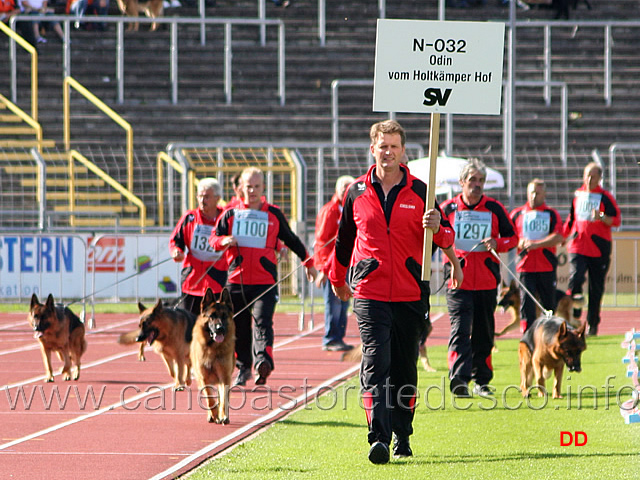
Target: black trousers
<point>390,333</point>
<point>254,336</point>
<point>597,267</point>
<point>472,330</point>
<point>542,284</point>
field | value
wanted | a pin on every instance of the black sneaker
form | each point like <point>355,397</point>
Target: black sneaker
<point>379,453</point>
<point>593,331</point>
<point>264,370</point>
<point>459,388</point>
<point>244,374</point>
<point>401,447</point>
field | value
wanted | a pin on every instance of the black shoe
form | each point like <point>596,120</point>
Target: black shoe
<point>459,388</point>
<point>338,346</point>
<point>264,370</point>
<point>244,374</point>
<point>593,331</point>
<point>482,390</point>
<point>379,453</point>
<point>401,447</point>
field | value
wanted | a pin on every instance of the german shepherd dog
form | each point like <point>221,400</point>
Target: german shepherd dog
<point>169,332</point>
<point>509,300</point>
<point>546,347</point>
<point>132,8</point>
<point>213,352</point>
<point>60,330</point>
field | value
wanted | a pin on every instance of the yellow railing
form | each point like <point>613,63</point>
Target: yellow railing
<point>75,156</point>
<point>71,82</point>
<point>34,67</point>
<point>37,129</point>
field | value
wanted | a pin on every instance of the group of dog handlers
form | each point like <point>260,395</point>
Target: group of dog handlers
<point>224,318</point>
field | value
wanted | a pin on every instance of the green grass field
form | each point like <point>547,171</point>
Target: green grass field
<point>507,437</point>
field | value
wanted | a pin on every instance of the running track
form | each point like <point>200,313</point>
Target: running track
<point>137,428</point>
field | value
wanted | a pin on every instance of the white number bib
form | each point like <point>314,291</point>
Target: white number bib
<point>250,228</point>
<point>586,203</point>
<point>471,227</point>
<point>536,225</point>
<point>200,247</point>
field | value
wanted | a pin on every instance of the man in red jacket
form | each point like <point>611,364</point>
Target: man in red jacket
<point>335,310</point>
<point>250,234</point>
<point>481,223</point>
<point>540,230</point>
<point>202,266</point>
<point>593,213</point>
<point>380,243</point>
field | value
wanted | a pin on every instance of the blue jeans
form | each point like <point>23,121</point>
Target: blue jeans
<point>335,315</point>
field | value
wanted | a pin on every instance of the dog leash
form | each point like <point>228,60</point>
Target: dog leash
<point>547,313</point>
<point>444,281</point>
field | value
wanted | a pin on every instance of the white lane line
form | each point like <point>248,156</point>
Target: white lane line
<point>289,407</point>
<point>113,406</point>
<point>36,345</point>
<point>80,418</point>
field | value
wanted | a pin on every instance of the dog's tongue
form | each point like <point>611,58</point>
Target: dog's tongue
<point>151,337</point>
<point>218,338</point>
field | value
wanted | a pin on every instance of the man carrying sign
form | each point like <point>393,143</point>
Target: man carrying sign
<point>540,230</point>
<point>480,223</point>
<point>593,213</point>
<point>251,234</point>
<point>379,242</point>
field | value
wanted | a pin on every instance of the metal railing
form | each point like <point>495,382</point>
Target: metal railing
<point>173,22</point>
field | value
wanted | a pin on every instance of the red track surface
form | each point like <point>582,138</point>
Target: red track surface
<point>137,427</point>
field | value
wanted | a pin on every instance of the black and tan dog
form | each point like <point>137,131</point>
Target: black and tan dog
<point>547,346</point>
<point>169,332</point>
<point>509,300</point>
<point>213,353</point>
<point>58,330</point>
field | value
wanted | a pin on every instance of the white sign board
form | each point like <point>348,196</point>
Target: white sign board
<point>438,67</point>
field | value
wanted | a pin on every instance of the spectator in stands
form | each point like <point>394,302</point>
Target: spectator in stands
<point>539,228</point>
<point>202,266</point>
<point>8,9</point>
<point>40,7</point>
<point>335,310</point>
<point>282,3</point>
<point>79,8</point>
<point>593,213</point>
<point>481,224</point>
<point>380,243</point>
<point>250,233</point>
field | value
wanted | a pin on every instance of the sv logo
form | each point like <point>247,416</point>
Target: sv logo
<point>434,95</point>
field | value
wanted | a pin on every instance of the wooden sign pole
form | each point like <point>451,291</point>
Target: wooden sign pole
<point>434,136</point>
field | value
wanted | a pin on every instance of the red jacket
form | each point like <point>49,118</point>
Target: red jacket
<point>326,229</point>
<point>586,233</point>
<point>383,249</point>
<point>488,218</point>
<point>191,235</point>
<point>535,224</point>
<point>253,261</point>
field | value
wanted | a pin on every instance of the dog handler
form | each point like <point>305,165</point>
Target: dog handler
<point>593,213</point>
<point>480,223</point>
<point>250,233</point>
<point>380,241</point>
<point>202,266</point>
<point>540,230</point>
